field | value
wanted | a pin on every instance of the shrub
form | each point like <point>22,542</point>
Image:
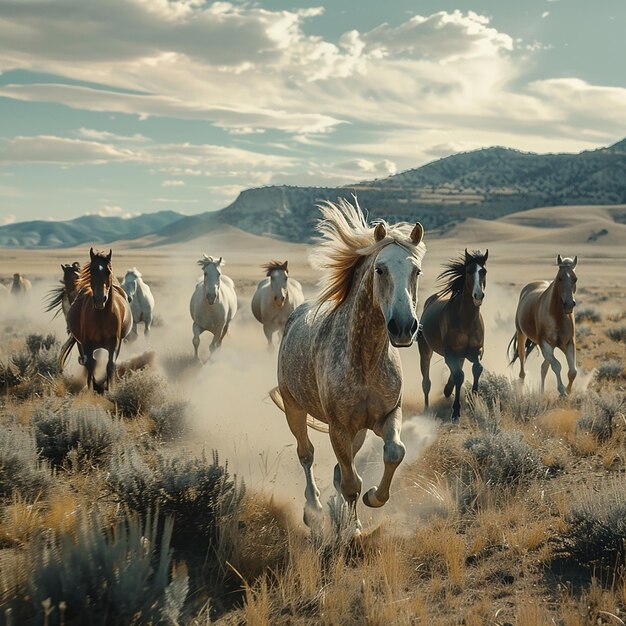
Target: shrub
<point>168,419</point>
<point>495,389</point>
<point>617,334</point>
<point>21,469</point>
<point>107,577</point>
<point>611,369</point>
<point>589,313</point>
<point>36,343</point>
<point>89,430</point>
<point>503,458</point>
<point>597,524</point>
<point>582,332</point>
<point>137,391</point>
<point>199,495</point>
<point>525,404</point>
<point>598,413</point>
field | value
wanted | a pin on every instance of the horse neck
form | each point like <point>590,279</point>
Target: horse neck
<point>367,335</point>
<point>555,302</point>
<point>466,303</point>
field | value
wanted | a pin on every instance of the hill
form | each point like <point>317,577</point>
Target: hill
<point>85,229</point>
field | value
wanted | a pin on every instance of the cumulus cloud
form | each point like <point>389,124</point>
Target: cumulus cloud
<point>173,183</point>
<point>112,211</point>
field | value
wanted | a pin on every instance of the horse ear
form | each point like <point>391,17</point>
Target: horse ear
<point>64,266</point>
<point>575,263</point>
<point>76,264</point>
<point>284,265</point>
<point>559,259</point>
<point>221,261</point>
<point>486,255</point>
<point>110,254</point>
<point>91,254</point>
<point>380,232</point>
<point>467,256</point>
<point>417,233</point>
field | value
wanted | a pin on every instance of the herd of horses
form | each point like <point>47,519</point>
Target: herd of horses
<point>339,368</point>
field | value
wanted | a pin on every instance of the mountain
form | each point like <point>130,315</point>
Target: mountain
<point>487,184</point>
<point>90,229</point>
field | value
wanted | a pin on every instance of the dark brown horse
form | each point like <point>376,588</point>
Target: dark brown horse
<point>452,325</point>
<point>99,317</point>
<point>544,318</point>
<point>60,298</point>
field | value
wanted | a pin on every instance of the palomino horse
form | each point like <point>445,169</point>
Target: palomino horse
<point>338,360</point>
<point>452,325</point>
<point>99,317</point>
<point>141,301</point>
<point>61,298</point>
<point>544,318</point>
<point>275,299</point>
<point>20,287</point>
<point>213,303</point>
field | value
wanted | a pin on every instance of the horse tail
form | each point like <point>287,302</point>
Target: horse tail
<point>66,348</point>
<point>277,398</point>
<point>512,353</point>
<point>530,345</point>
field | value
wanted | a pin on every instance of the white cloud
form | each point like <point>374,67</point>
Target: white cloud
<point>103,135</point>
<point>112,211</point>
<point>545,14</point>
<point>8,219</point>
<point>173,183</point>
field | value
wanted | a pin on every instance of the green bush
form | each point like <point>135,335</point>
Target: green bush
<point>88,430</point>
<point>21,469</point>
<point>137,391</point>
<point>168,419</point>
<point>611,369</point>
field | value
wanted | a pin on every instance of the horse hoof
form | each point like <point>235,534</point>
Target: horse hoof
<point>447,392</point>
<point>314,519</point>
<point>370,499</point>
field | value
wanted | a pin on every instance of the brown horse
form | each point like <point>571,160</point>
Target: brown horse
<point>452,325</point>
<point>20,287</point>
<point>99,317</point>
<point>544,318</point>
<point>60,298</point>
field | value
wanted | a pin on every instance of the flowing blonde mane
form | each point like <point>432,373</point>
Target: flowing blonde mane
<point>346,239</point>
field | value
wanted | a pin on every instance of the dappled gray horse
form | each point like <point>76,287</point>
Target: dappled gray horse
<point>141,301</point>
<point>544,318</point>
<point>275,299</point>
<point>338,360</point>
<point>213,303</point>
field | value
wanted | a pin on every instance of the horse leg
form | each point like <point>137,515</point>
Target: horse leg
<point>388,428</point>
<point>521,353</point>
<point>147,324</point>
<point>113,351</point>
<point>217,340</point>
<point>357,444</point>
<point>456,374</point>
<point>350,483</point>
<point>545,366</point>
<point>296,419</point>
<point>548,354</point>
<point>477,370</point>
<point>90,364</point>
<point>224,332</point>
<point>425,356</point>
<point>197,331</point>
<point>267,330</point>
<point>570,355</point>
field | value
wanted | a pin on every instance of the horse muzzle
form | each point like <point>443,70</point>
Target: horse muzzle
<point>402,335</point>
<point>211,299</point>
<point>568,307</point>
<point>478,301</point>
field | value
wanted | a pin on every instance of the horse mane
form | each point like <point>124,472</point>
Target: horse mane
<point>83,283</point>
<point>135,272</point>
<point>273,265</point>
<point>206,260</point>
<point>54,299</point>
<point>453,276</point>
<point>345,240</point>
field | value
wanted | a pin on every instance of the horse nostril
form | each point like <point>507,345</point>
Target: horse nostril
<point>392,327</point>
<point>414,327</point>
<point>573,302</point>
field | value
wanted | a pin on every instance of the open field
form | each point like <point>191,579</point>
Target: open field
<point>515,516</point>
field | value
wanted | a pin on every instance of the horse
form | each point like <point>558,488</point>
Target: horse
<point>61,297</point>
<point>544,318</point>
<point>452,325</point>
<point>141,301</point>
<point>275,299</point>
<point>213,303</point>
<point>338,359</point>
<point>20,287</point>
<point>99,317</point>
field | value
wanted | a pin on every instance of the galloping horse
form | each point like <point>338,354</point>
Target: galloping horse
<point>141,301</point>
<point>275,299</point>
<point>61,297</point>
<point>544,318</point>
<point>213,303</point>
<point>20,287</point>
<point>338,359</point>
<point>452,325</point>
<point>99,317</point>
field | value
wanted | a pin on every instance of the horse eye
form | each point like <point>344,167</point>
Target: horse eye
<point>378,270</point>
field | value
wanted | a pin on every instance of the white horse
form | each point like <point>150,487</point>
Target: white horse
<point>213,303</point>
<point>275,299</point>
<point>141,301</point>
<point>338,360</point>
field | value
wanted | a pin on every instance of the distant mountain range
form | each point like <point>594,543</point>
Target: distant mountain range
<point>487,183</point>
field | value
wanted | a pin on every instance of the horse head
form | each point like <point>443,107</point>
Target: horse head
<point>476,274</point>
<point>212,276</point>
<point>279,275</point>
<point>566,282</point>
<point>101,277</point>
<point>396,273</point>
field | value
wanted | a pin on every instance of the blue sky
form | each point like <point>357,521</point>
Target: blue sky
<point>132,106</point>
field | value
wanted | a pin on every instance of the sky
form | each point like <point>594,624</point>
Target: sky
<point>132,106</point>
